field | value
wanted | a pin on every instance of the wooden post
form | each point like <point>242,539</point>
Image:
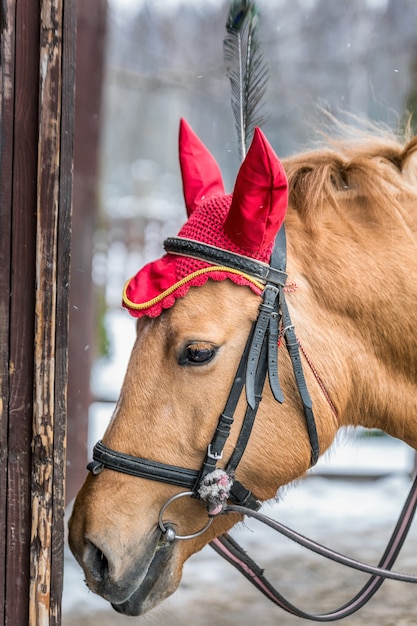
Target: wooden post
<point>37,50</point>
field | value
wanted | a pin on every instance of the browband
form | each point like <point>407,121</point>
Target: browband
<point>218,256</point>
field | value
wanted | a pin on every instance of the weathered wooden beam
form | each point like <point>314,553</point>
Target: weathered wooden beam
<point>45,308</point>
<point>19,113</point>
<point>69,26</point>
<point>6,166</point>
<point>51,310</point>
<point>37,48</point>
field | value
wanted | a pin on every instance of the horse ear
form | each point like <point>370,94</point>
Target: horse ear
<point>201,176</point>
<point>260,197</point>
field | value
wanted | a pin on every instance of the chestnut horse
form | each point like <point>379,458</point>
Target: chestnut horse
<point>351,226</point>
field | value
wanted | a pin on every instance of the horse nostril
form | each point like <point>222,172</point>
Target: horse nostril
<point>96,562</point>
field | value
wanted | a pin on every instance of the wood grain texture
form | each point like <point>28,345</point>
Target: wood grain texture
<point>6,165</point>
<point>45,309</point>
<point>51,311</point>
<point>62,306</point>
<point>37,48</point>
<point>22,211</point>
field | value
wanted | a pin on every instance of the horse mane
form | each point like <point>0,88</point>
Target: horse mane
<point>380,170</point>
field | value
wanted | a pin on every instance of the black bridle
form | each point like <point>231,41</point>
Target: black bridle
<point>259,358</point>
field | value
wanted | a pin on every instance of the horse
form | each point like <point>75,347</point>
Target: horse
<point>348,210</point>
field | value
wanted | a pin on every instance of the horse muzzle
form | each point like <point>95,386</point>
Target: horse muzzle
<point>157,584</point>
<point>132,580</point>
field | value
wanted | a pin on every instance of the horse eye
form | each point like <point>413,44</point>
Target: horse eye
<point>196,354</point>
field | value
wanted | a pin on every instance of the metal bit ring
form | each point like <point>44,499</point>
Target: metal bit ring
<point>169,531</point>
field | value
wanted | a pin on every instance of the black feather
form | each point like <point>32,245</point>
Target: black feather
<point>246,69</point>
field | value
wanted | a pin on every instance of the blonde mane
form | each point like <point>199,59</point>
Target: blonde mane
<point>380,170</point>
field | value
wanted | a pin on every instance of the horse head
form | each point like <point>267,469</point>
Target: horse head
<point>214,296</point>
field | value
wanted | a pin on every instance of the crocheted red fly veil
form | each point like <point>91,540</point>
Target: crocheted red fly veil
<point>245,222</point>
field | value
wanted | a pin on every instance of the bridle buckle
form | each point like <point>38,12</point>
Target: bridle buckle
<point>216,456</point>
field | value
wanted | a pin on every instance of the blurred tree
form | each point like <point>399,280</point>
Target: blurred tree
<point>167,63</point>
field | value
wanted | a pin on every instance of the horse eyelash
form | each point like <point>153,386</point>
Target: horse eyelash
<point>183,359</point>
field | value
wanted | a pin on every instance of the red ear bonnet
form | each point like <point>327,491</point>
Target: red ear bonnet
<point>260,197</point>
<point>245,223</point>
<point>201,176</point>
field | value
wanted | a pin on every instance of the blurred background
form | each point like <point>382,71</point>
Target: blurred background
<point>143,64</point>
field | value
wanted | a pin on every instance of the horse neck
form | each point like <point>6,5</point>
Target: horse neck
<point>355,311</point>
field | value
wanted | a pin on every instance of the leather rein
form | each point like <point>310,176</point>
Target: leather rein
<point>219,488</point>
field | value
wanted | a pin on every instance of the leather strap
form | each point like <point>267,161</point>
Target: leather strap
<point>227,548</point>
<point>215,448</point>
<point>250,415</point>
<point>141,468</point>
<point>266,310</point>
<point>218,256</point>
<point>273,340</point>
<point>294,352</point>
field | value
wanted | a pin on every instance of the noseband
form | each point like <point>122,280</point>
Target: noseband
<point>259,358</point>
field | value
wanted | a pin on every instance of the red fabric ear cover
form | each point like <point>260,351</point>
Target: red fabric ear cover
<point>260,197</point>
<point>201,176</point>
<point>245,224</point>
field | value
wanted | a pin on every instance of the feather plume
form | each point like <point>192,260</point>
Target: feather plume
<point>246,69</point>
